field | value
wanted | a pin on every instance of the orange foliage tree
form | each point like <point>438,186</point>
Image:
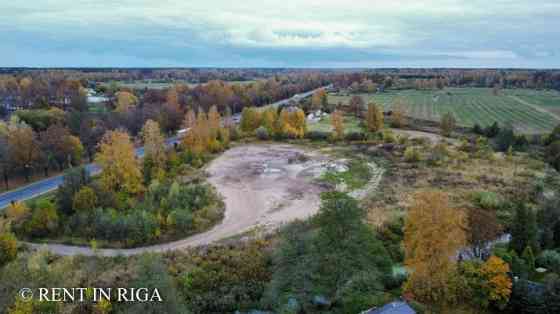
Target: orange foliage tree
<point>433,234</point>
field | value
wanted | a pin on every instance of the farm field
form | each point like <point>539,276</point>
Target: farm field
<point>159,84</point>
<point>530,112</point>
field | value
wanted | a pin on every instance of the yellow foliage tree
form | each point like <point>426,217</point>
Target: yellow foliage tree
<point>125,101</point>
<point>269,118</point>
<point>214,121</point>
<point>432,235</point>
<point>337,124</point>
<point>190,119</point>
<point>292,123</point>
<point>498,283</point>
<point>117,159</point>
<point>398,114</point>
<point>17,211</point>
<point>154,143</point>
<point>250,119</point>
<point>374,118</point>
<point>319,99</point>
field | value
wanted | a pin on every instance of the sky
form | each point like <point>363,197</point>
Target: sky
<point>287,33</point>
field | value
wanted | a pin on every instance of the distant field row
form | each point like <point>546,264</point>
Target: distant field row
<point>529,111</point>
<point>160,85</point>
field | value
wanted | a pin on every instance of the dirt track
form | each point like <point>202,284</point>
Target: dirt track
<point>262,185</point>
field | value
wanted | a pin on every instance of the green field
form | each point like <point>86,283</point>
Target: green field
<point>351,124</point>
<point>527,110</point>
<point>143,84</point>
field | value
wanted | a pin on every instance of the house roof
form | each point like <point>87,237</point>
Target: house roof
<point>397,307</point>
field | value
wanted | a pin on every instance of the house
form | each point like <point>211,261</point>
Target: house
<point>395,307</point>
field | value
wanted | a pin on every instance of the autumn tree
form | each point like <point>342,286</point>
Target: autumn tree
<point>214,121</point>
<point>117,159</point>
<point>190,119</point>
<point>374,118</point>
<point>337,124</point>
<point>250,119</point>
<point>269,120</point>
<point>125,101</point>
<point>172,96</point>
<point>292,123</point>
<point>201,138</point>
<point>483,227</point>
<point>447,124</point>
<point>487,283</point>
<point>8,248</point>
<point>398,114</point>
<point>356,105</point>
<point>60,146</point>
<point>154,150</point>
<point>85,200</point>
<point>23,146</point>
<point>433,234</point>
<point>319,100</point>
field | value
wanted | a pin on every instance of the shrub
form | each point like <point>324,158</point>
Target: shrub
<point>389,137</point>
<point>356,136</point>
<point>492,130</point>
<point>44,220</point>
<point>412,154</point>
<point>181,221</point>
<point>550,260</point>
<point>262,133</point>
<point>487,200</point>
<point>448,123</point>
<point>8,248</point>
<point>317,135</point>
<point>73,180</point>
<point>84,200</point>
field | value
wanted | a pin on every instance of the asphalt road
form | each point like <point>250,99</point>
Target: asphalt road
<point>49,184</point>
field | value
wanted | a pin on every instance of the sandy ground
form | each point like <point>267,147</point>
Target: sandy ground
<point>262,185</point>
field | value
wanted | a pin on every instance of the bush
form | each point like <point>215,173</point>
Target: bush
<point>84,200</point>
<point>411,154</point>
<point>73,180</point>
<point>262,133</point>
<point>8,248</point>
<point>487,200</point>
<point>317,135</point>
<point>44,220</point>
<point>181,221</point>
<point>550,260</point>
<point>355,136</point>
<point>389,137</point>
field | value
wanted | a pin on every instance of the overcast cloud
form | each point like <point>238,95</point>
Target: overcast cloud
<point>288,33</point>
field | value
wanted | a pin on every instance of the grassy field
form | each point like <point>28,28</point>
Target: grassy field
<point>351,124</point>
<point>159,85</point>
<point>529,111</point>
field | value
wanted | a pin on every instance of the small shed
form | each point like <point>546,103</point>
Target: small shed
<point>396,307</point>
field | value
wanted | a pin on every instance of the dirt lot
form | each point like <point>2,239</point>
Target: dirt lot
<point>262,185</point>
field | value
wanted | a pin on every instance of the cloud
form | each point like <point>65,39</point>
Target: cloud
<point>280,33</point>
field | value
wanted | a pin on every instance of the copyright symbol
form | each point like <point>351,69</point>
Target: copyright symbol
<point>26,294</point>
